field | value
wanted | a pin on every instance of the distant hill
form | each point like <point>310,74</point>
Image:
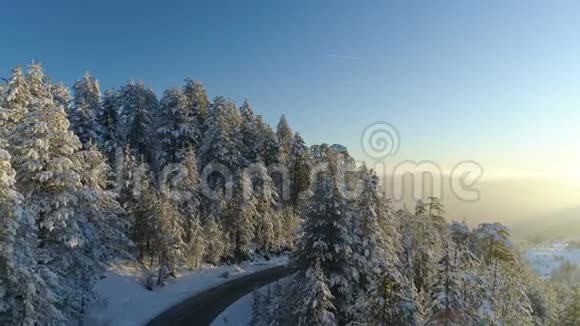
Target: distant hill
<point>528,205</point>
<point>560,224</point>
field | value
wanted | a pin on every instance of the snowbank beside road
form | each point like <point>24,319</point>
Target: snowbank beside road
<point>124,300</point>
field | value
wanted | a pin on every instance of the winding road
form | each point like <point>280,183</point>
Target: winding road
<point>202,308</point>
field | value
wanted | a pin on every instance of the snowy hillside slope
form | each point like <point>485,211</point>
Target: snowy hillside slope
<point>547,259</point>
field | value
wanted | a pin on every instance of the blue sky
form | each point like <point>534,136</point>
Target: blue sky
<point>493,81</point>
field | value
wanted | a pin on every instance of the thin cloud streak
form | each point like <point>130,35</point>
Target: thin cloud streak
<point>339,56</point>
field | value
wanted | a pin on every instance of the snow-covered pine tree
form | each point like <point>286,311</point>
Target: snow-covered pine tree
<point>448,306</point>
<point>197,102</point>
<point>49,175</point>
<point>215,241</point>
<point>46,164</point>
<point>219,144</point>
<point>291,223</point>
<point>196,242</point>
<point>265,235</point>
<point>240,218</point>
<point>37,84</point>
<point>269,148</point>
<point>461,235</point>
<point>14,101</point>
<point>493,242</point>
<point>181,183</point>
<point>571,314</point>
<point>61,95</point>
<point>299,165</point>
<point>127,177</point>
<point>25,299</point>
<point>380,282</point>
<point>327,240</point>
<point>250,134</point>
<point>86,110</point>
<point>142,203</point>
<point>109,126</point>
<point>316,305</point>
<point>101,206</point>
<point>268,224</point>
<point>285,135</point>
<point>510,301</point>
<point>169,244</point>
<point>421,247</point>
<point>177,127</point>
<point>435,211</point>
<point>138,105</point>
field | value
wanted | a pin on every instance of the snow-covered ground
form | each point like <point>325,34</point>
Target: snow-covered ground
<point>544,260</point>
<point>124,300</point>
<point>240,313</point>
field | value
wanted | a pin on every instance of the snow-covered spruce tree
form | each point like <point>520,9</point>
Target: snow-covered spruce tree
<point>177,127</point>
<point>268,223</point>
<point>327,240</point>
<point>435,212</point>
<point>493,242</point>
<point>14,100</point>
<point>61,96</point>
<point>289,229</point>
<point>142,203</point>
<point>171,248</point>
<point>215,241</point>
<point>127,178</point>
<point>240,218</point>
<point>265,234</point>
<point>381,294</point>
<point>461,235</point>
<point>138,104</point>
<point>196,240</point>
<point>49,177</point>
<point>269,148</point>
<point>511,303</point>
<point>285,136</point>
<point>86,110</point>
<point>101,206</point>
<point>47,168</point>
<point>316,303</point>
<point>571,314</point>
<point>197,102</point>
<point>299,165</point>
<point>420,243</point>
<point>546,306</point>
<point>448,306</point>
<point>37,84</point>
<point>504,299</point>
<point>109,125</point>
<point>25,299</point>
<point>219,144</point>
<point>250,134</point>
<point>181,184</point>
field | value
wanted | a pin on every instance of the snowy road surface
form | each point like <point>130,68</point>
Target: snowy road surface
<point>202,309</point>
